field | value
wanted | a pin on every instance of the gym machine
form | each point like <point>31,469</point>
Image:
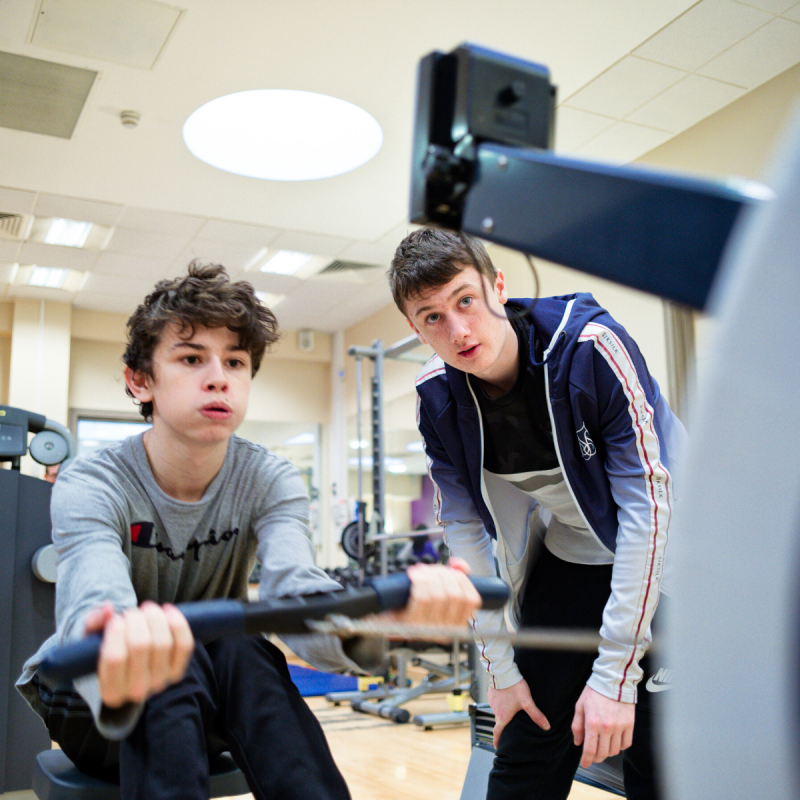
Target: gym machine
<point>27,574</point>
<point>482,163</point>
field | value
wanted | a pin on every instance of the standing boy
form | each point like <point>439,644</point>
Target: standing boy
<point>545,434</point>
<point>179,514</point>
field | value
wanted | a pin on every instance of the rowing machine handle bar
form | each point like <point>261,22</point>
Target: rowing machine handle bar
<point>393,591</point>
<point>215,619</point>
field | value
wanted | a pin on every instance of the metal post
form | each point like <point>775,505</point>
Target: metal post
<point>378,475</point>
<point>362,531</point>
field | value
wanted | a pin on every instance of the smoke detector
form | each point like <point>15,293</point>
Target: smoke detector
<point>130,119</point>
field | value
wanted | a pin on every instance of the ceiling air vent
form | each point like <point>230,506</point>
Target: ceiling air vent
<point>344,266</point>
<point>15,226</point>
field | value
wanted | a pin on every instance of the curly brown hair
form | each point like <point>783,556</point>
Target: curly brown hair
<point>207,298</point>
<point>429,258</point>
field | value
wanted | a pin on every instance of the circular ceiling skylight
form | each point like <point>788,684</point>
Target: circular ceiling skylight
<point>282,135</point>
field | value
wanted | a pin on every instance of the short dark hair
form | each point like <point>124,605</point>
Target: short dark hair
<point>429,258</point>
<point>205,297</point>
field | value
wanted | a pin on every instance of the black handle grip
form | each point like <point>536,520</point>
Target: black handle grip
<point>70,661</point>
<point>208,620</point>
<point>215,619</point>
<point>393,591</point>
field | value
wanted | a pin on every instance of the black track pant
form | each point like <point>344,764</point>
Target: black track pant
<point>532,764</point>
<point>237,695</point>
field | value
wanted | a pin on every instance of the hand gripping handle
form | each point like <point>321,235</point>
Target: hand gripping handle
<point>215,619</point>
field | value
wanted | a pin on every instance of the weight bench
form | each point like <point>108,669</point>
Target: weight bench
<point>55,777</point>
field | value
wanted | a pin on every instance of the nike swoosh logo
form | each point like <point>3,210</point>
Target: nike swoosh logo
<point>652,686</point>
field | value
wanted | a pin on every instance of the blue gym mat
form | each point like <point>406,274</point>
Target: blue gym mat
<point>312,682</point>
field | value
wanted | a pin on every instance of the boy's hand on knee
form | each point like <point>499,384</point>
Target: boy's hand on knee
<point>440,595</point>
<point>144,650</point>
<point>506,703</point>
<point>603,726</point>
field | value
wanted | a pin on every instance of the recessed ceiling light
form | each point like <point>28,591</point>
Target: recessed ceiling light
<point>49,277</point>
<point>282,135</point>
<point>286,262</point>
<point>67,232</point>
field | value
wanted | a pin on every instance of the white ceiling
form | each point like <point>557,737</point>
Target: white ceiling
<point>631,74</point>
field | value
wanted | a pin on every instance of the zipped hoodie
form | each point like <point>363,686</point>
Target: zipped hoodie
<point>616,440</point>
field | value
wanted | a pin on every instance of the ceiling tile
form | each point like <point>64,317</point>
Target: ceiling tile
<point>702,33</point>
<point>793,12</point>
<point>131,32</point>
<point>310,243</point>
<point>160,222</point>
<point>115,303</point>
<point>574,127</point>
<point>9,251</point>
<point>271,282</point>
<point>761,56</point>
<point>52,205</point>
<point>50,255</point>
<point>308,292</point>
<point>231,255</point>
<point>379,252</point>
<point>773,6</point>
<point>224,231</point>
<point>623,142</point>
<point>134,288</point>
<point>119,264</point>
<point>6,271</point>
<point>358,306</point>
<point>623,88</point>
<point>146,243</point>
<point>16,201</point>
<point>686,103</point>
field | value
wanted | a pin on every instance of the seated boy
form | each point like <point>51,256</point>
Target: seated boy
<point>180,514</point>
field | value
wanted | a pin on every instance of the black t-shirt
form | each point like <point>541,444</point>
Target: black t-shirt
<point>517,435</point>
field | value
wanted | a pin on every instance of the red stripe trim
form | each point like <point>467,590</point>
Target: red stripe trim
<point>630,393</point>
<point>422,378</point>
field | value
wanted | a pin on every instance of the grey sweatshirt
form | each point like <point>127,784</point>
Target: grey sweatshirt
<point>120,538</point>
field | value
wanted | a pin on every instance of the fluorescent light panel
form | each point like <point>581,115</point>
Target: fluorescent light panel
<point>48,277</point>
<point>286,262</point>
<point>67,232</point>
<point>270,300</point>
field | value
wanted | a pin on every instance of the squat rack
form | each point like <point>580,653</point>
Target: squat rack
<point>375,353</point>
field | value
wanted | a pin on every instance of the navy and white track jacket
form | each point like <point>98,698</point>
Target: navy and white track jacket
<point>616,440</point>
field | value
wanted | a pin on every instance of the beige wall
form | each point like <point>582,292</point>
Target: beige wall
<point>39,358</point>
<point>5,364</point>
